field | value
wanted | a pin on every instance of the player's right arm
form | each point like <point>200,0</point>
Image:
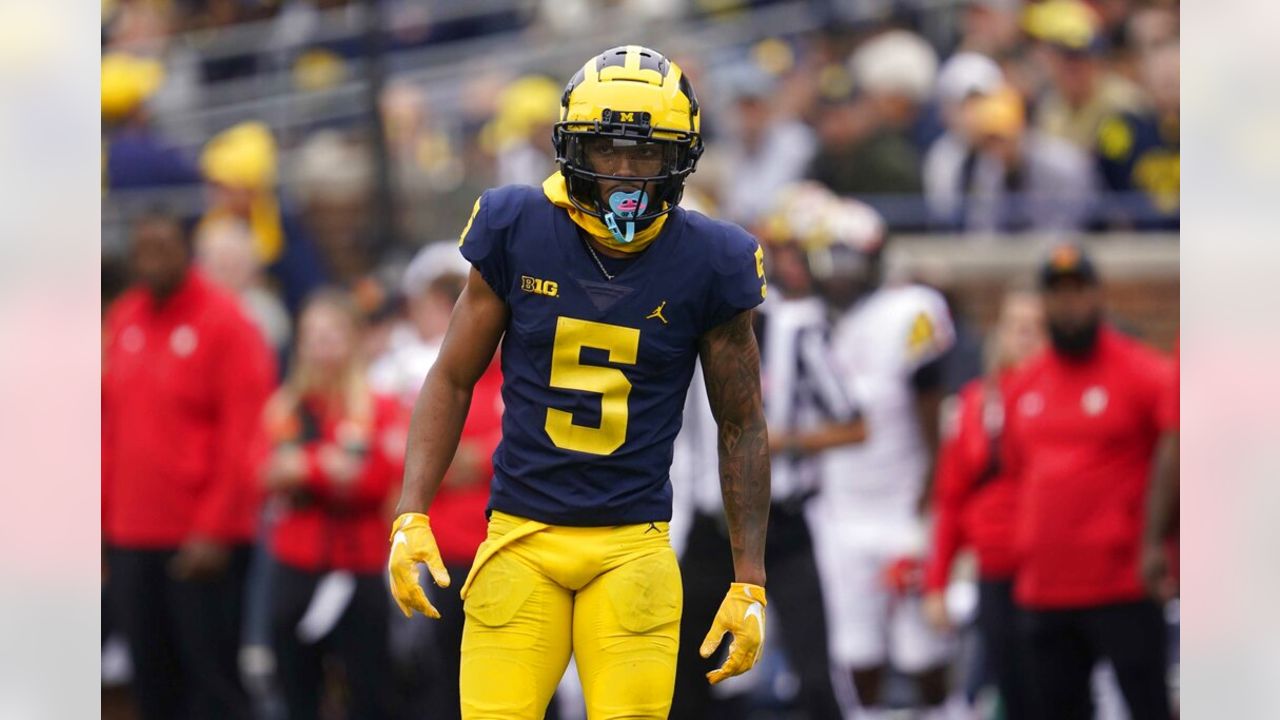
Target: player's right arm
<point>478,321</point>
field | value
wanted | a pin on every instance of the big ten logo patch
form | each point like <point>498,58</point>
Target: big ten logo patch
<point>550,288</point>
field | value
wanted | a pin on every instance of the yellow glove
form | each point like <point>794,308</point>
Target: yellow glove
<point>413,543</point>
<point>742,614</point>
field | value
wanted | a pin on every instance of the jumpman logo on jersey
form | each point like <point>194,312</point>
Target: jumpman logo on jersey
<point>657,313</point>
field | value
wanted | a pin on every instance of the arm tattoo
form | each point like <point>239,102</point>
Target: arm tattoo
<point>731,365</point>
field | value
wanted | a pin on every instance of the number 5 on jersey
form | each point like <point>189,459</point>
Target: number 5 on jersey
<point>764,286</point>
<point>568,373</point>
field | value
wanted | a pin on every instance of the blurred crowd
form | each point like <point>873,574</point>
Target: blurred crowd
<point>964,115</point>
<point>276,289</point>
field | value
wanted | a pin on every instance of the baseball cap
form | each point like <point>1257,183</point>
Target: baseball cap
<point>1067,261</point>
<point>897,62</point>
<point>966,74</point>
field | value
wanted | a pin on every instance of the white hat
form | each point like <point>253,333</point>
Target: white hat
<point>968,73</point>
<point>432,261</point>
<point>899,62</point>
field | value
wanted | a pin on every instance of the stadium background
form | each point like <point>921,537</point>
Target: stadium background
<point>389,118</point>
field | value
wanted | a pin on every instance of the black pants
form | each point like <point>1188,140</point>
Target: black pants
<point>1002,649</point>
<point>794,591</point>
<point>184,636</point>
<point>1064,645</point>
<point>445,702</point>
<point>358,641</point>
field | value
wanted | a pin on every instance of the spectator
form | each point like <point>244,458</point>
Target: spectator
<point>224,251</point>
<point>520,132</point>
<point>430,162</point>
<point>239,165</point>
<point>1016,180</point>
<point>895,71</point>
<point>868,141</point>
<point>332,181</point>
<point>1082,89</point>
<point>990,28</point>
<point>965,77</point>
<point>1138,152</point>
<point>330,454</point>
<point>432,284</point>
<point>1082,422</point>
<point>185,377</point>
<point>764,151</point>
<point>136,157</point>
<point>974,503</point>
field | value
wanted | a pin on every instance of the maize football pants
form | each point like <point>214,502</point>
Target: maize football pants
<point>611,596</point>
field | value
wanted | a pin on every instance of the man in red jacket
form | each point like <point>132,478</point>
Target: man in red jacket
<point>185,376</point>
<point>1082,422</point>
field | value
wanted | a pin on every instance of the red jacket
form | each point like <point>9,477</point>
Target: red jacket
<point>183,386</point>
<point>458,514</point>
<point>328,524</point>
<point>974,498</point>
<point>1080,437</point>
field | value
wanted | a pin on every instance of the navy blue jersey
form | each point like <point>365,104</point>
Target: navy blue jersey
<point>595,372</point>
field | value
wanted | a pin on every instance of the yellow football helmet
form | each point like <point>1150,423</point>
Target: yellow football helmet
<point>627,101</point>
<point>838,241</point>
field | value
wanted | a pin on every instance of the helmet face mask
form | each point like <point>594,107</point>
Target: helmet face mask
<point>628,137</point>
<point>828,245</point>
<point>842,275</point>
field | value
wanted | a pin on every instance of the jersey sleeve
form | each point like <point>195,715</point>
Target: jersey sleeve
<point>929,331</point>
<point>482,245</point>
<point>738,283</point>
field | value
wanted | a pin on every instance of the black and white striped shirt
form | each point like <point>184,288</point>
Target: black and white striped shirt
<point>802,390</point>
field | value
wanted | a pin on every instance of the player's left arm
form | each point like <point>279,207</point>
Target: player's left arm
<point>929,393</point>
<point>931,337</point>
<point>731,366</point>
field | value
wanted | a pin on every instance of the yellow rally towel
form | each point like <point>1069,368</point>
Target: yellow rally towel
<point>556,191</point>
<point>244,157</point>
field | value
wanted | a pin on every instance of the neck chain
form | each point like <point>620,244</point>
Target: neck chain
<point>596,257</point>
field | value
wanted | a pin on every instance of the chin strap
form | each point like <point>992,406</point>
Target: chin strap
<point>611,222</point>
<point>622,236</point>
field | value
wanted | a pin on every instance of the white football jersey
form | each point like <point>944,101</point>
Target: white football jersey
<point>877,346</point>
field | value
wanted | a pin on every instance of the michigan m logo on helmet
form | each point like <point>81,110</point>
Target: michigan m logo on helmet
<point>628,99</point>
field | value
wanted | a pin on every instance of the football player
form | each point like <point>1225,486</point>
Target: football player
<point>603,293</point>
<point>869,533</point>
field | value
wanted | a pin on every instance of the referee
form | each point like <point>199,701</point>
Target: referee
<point>807,411</point>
